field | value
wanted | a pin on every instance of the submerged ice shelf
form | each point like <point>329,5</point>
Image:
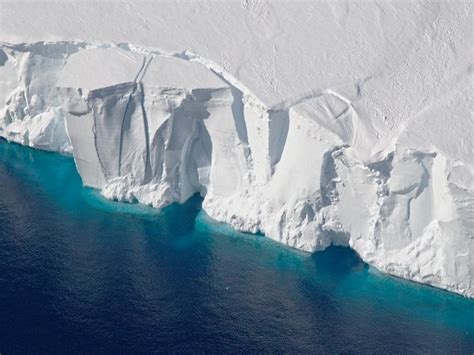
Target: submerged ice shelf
<point>324,167</point>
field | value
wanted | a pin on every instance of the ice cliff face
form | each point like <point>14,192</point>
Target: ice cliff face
<point>324,167</point>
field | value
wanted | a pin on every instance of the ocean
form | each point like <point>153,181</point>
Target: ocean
<point>80,274</point>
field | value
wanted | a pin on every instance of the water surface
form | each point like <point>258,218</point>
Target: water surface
<point>81,274</point>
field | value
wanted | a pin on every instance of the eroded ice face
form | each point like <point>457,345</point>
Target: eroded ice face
<point>155,134</point>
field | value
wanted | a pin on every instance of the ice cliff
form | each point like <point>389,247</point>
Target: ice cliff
<point>383,164</point>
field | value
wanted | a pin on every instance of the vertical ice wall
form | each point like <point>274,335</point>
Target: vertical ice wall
<point>153,128</point>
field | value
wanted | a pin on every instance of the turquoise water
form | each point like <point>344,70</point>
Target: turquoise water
<point>82,274</point>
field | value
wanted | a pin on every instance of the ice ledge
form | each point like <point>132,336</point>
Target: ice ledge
<point>157,127</point>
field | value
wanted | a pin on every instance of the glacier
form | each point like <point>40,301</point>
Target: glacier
<point>359,147</point>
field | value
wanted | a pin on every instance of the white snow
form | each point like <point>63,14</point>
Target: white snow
<point>346,123</point>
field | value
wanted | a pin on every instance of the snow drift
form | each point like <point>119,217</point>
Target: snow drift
<point>329,166</point>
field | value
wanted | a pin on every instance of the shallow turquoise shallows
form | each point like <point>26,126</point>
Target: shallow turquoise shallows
<point>79,274</point>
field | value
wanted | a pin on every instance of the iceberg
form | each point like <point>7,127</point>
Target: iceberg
<point>353,128</point>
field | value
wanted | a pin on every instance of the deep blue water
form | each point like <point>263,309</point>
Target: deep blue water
<point>81,274</point>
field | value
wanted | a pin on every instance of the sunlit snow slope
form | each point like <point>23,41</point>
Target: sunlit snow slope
<point>345,123</point>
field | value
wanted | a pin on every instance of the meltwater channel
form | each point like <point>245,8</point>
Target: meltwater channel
<point>81,274</point>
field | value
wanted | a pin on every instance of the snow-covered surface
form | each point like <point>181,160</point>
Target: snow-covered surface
<point>346,123</point>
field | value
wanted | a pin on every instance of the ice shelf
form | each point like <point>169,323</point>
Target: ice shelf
<point>366,144</point>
